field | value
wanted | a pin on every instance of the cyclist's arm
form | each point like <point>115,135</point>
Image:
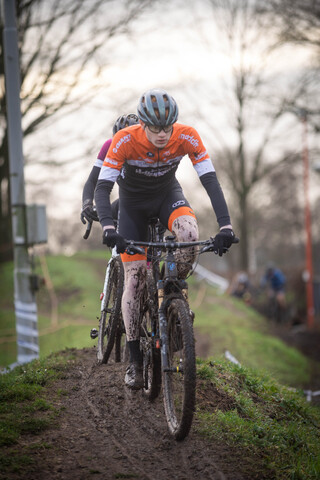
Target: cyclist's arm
<point>211,184</point>
<point>108,176</point>
<point>102,199</point>
<point>206,172</point>
<point>90,185</point>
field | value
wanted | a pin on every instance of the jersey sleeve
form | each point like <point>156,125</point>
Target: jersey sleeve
<point>115,157</point>
<point>197,152</point>
<point>102,153</point>
<point>206,172</point>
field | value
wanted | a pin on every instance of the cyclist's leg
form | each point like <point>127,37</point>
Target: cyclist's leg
<point>281,306</point>
<point>134,280</point>
<point>184,225</point>
<point>133,225</point>
<point>180,218</point>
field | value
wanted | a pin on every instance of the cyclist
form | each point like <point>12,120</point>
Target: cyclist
<point>88,212</point>
<point>275,279</point>
<point>143,160</point>
<point>240,287</point>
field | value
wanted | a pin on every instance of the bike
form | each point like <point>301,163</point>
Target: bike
<point>166,333</point>
<point>167,338</point>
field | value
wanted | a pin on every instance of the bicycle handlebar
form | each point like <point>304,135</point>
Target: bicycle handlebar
<point>207,245</point>
<point>134,247</point>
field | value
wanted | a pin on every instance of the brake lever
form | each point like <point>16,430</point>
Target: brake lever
<point>133,249</point>
<point>88,230</point>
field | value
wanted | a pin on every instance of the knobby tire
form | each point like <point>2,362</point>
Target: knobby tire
<point>179,388</point>
<point>150,354</point>
<point>111,315</point>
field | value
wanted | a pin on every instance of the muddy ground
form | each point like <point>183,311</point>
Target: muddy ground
<point>105,431</point>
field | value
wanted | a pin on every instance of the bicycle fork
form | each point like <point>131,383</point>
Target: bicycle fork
<point>163,327</point>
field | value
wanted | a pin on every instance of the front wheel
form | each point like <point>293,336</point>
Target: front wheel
<point>151,359</point>
<point>148,344</point>
<point>179,379</point>
<point>110,319</point>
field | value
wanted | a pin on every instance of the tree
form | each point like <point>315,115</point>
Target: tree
<point>256,98</point>
<point>62,47</point>
<point>297,22</point>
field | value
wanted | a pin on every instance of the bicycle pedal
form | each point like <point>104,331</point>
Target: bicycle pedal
<point>94,333</point>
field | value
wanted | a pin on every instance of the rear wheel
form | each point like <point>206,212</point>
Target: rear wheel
<point>111,315</point>
<point>179,381</point>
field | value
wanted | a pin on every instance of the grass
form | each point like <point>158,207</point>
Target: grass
<point>272,429</point>
<point>78,281</point>
<point>227,322</point>
<point>25,408</point>
<point>264,421</point>
<point>233,326</point>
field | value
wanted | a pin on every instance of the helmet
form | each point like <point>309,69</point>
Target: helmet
<point>125,121</point>
<point>157,107</point>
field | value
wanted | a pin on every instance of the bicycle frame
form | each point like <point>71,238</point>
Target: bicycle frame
<point>106,279</point>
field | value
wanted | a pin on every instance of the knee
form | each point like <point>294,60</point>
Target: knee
<point>186,229</point>
<point>135,276</point>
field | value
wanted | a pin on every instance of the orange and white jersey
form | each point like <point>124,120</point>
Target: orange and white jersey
<point>136,164</point>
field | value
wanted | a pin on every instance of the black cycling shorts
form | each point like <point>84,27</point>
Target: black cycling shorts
<point>136,210</point>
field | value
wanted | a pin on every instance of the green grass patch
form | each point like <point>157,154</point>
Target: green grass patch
<point>225,322</point>
<point>251,412</point>
<point>232,325</point>
<point>14,462</point>
<point>23,406</point>
<point>73,336</point>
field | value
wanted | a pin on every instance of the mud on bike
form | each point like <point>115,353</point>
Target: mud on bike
<point>166,332</point>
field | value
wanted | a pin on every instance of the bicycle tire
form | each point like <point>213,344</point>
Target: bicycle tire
<point>151,361</point>
<point>111,315</point>
<point>179,384</point>
<point>150,353</point>
<point>120,346</point>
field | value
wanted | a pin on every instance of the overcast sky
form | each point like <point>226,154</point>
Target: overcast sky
<point>177,47</point>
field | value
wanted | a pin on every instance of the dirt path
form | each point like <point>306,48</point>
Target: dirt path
<point>105,431</point>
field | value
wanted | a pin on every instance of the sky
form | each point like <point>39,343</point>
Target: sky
<point>177,47</point>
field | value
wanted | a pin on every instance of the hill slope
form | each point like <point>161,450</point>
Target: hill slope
<point>67,417</point>
<point>68,307</point>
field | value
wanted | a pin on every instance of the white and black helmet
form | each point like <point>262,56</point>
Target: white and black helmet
<point>125,121</point>
<point>157,107</point>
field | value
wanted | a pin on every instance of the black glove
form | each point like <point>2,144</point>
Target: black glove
<point>112,239</point>
<point>88,212</point>
<point>223,240</point>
